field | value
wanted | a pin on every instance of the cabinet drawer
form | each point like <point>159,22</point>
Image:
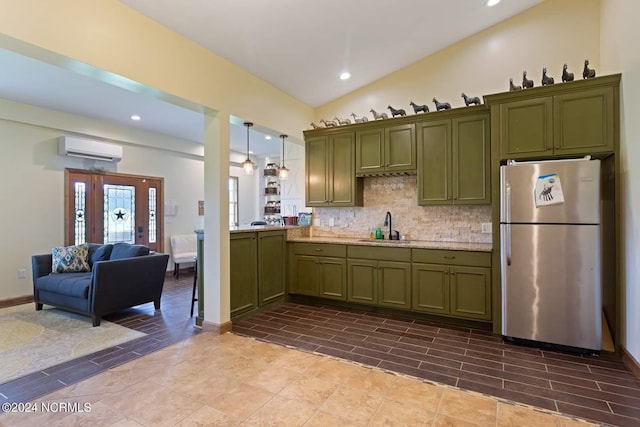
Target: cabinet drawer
<point>437,256</point>
<point>320,249</point>
<point>378,253</point>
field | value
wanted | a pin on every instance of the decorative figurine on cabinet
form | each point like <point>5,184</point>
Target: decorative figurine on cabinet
<point>315,126</point>
<point>395,112</point>
<point>566,75</point>
<point>513,87</point>
<point>357,119</point>
<point>546,80</point>
<point>419,108</point>
<point>588,73</point>
<point>470,100</point>
<point>343,121</point>
<point>328,123</point>
<point>441,105</point>
<point>378,116</point>
<point>526,83</point>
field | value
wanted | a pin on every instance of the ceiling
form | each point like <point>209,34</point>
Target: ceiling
<point>299,47</point>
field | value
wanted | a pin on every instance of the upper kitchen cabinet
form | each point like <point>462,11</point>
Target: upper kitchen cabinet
<point>330,178</point>
<point>386,150</point>
<point>565,119</point>
<point>453,158</point>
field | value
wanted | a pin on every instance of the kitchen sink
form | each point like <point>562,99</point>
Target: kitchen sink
<point>391,242</point>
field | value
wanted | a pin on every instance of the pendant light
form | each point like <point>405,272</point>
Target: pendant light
<point>283,172</point>
<point>248,166</point>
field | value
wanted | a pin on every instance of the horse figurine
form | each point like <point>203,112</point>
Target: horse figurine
<point>513,87</point>
<point>588,73</point>
<point>526,83</point>
<point>546,80</point>
<point>357,119</point>
<point>470,100</point>
<point>419,108</point>
<point>395,112</point>
<point>343,121</point>
<point>378,116</point>
<point>328,123</point>
<point>441,105</point>
<point>566,75</point>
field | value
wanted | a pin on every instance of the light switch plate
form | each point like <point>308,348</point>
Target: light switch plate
<point>486,227</point>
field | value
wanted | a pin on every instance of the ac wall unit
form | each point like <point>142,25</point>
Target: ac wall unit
<point>89,149</point>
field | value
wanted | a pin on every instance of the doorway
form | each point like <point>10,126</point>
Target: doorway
<point>104,207</point>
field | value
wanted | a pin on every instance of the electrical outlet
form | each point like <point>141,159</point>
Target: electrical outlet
<point>486,227</point>
<point>22,273</point>
<point>332,222</point>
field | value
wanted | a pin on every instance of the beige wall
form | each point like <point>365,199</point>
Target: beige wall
<point>548,35</point>
<point>620,53</point>
<point>33,177</point>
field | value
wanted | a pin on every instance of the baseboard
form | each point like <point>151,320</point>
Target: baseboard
<point>16,301</point>
<point>630,362</point>
<point>216,328</point>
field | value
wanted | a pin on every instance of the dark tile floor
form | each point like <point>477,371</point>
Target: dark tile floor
<point>600,389</point>
<point>163,328</point>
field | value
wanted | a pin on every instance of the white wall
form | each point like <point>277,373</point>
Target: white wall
<point>619,37</point>
<point>32,219</point>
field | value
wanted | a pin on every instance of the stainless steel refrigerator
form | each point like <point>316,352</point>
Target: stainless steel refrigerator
<point>551,252</point>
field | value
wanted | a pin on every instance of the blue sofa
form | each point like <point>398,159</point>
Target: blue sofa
<point>122,276</point>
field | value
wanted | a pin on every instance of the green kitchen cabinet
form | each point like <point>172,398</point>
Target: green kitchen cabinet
<point>271,266</point>
<point>386,150</point>
<point>243,272</point>
<point>330,171</point>
<point>569,119</point>
<point>318,270</point>
<point>379,276</point>
<point>257,270</point>
<point>453,160</point>
<point>452,283</point>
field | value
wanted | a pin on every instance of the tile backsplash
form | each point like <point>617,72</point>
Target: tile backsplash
<point>398,195</point>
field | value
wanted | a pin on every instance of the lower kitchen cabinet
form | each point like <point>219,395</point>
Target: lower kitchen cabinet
<point>257,269</point>
<point>379,276</point>
<point>318,270</point>
<point>452,283</point>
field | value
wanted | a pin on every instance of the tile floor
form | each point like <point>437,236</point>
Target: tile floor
<point>600,389</point>
<point>204,379</point>
<point>230,380</point>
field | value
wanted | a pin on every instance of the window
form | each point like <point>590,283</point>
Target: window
<point>233,201</point>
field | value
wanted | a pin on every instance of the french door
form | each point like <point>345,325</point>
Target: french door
<point>103,207</point>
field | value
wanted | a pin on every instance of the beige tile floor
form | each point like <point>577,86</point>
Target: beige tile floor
<point>228,380</point>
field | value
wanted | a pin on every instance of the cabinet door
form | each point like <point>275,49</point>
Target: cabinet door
<point>305,275</point>
<point>271,266</point>
<point>316,171</point>
<point>584,122</point>
<point>526,128</point>
<point>430,288</point>
<point>333,278</point>
<point>362,281</point>
<point>470,160</point>
<point>343,190</point>
<point>394,284</point>
<point>243,270</point>
<point>434,163</point>
<point>470,292</point>
<point>369,151</point>
<point>400,148</point>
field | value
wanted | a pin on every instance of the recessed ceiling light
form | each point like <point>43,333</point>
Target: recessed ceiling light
<point>250,152</point>
<point>267,137</point>
<point>492,2</point>
<point>135,117</point>
<point>345,76</point>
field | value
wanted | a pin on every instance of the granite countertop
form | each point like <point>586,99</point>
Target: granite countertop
<point>421,244</point>
<point>243,228</point>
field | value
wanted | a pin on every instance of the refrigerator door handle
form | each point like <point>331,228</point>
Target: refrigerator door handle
<point>508,221</point>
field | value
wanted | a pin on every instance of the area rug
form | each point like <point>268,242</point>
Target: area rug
<point>32,340</point>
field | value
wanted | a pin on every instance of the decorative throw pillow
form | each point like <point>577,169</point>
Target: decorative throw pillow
<point>70,259</point>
